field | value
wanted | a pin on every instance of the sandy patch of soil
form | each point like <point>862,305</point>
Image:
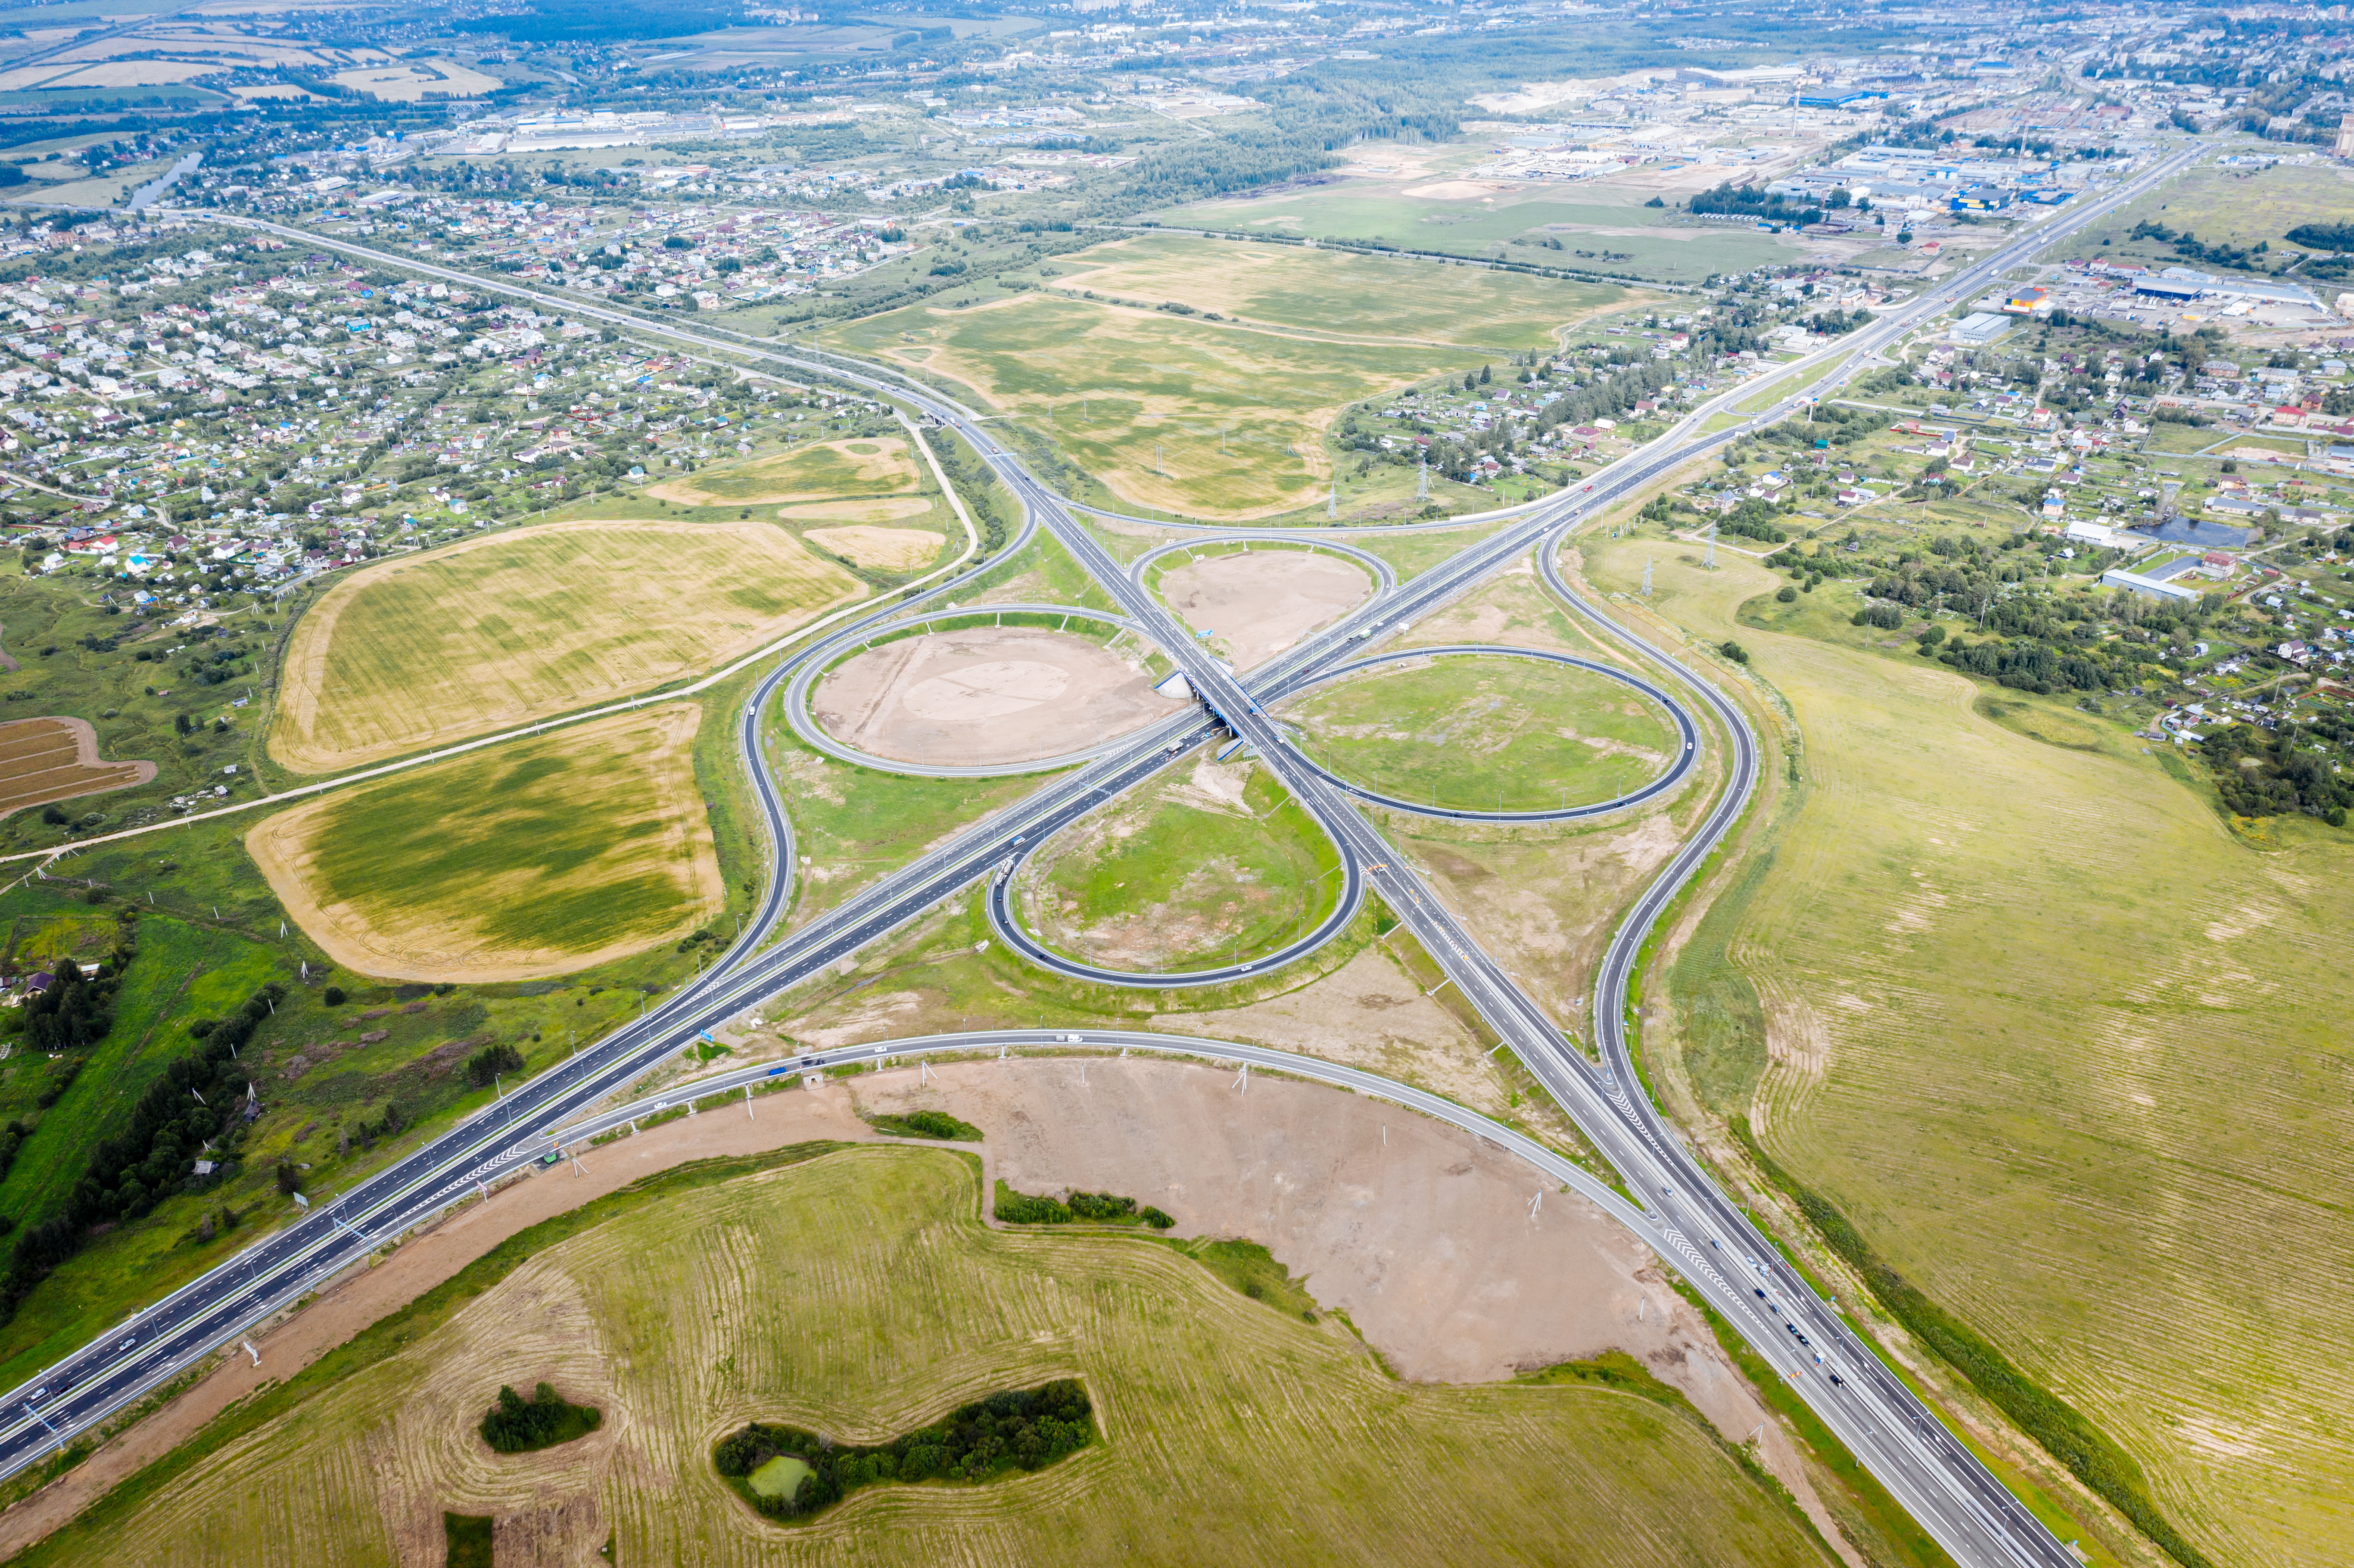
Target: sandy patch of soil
<point>55,758</point>
<point>881,509</point>
<point>1454,190</point>
<point>1260,602</point>
<point>986,694</point>
<point>409,942</point>
<point>1420,1232</point>
<point>889,549</point>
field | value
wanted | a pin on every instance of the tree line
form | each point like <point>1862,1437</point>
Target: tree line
<point>191,1105</point>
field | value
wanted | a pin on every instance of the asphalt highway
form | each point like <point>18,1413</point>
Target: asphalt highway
<point>1971,1514</point>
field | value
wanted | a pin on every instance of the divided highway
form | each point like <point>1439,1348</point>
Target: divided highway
<point>1682,1211</point>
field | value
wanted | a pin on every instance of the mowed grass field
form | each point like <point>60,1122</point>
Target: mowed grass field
<point>2070,1053</point>
<point>859,1295</point>
<point>1211,419</point>
<point>1486,734</point>
<point>421,651</point>
<point>532,859</point>
<point>1470,218</point>
<point>1335,292</point>
<point>855,467</point>
<point>1206,862</point>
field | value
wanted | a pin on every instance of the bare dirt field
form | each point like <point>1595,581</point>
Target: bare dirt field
<point>45,759</point>
<point>1420,1232</point>
<point>987,695</point>
<point>888,549</point>
<point>1260,602</point>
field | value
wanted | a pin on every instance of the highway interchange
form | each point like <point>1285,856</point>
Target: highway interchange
<point>1678,1208</point>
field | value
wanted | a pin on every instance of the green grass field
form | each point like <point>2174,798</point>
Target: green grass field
<point>1472,733</point>
<point>1478,221</point>
<point>1339,293</point>
<point>1232,1432</point>
<point>431,649</point>
<point>854,824</point>
<point>536,858</point>
<point>833,470</point>
<point>1205,862</point>
<point>2232,207</point>
<point>181,970</point>
<point>1206,419</point>
<point>2067,1050</point>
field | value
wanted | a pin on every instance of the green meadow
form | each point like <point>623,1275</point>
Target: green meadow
<point>1486,734</point>
<point>1206,862</point>
<point>1513,225</point>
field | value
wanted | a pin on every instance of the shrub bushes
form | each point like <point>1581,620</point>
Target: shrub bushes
<point>1100,1208</point>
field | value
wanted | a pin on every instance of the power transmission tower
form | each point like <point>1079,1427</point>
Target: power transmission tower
<point>1332,502</point>
<point>1422,479</point>
<point>1646,577</point>
<point>1156,460</point>
<point>1711,548</point>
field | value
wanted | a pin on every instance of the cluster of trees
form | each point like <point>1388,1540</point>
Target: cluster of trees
<point>517,1425</point>
<point>1752,201</point>
<point>1018,1429</point>
<point>2261,774</point>
<point>490,1060</point>
<point>2323,236</point>
<point>191,1105</point>
<point>1103,1207</point>
<point>2214,253</point>
<point>78,1010</point>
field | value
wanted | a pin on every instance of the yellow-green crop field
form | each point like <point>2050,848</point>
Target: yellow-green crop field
<point>427,650</point>
<point>1211,419</point>
<point>1341,293</point>
<point>537,858</point>
<point>2069,1051</point>
<point>858,1293</point>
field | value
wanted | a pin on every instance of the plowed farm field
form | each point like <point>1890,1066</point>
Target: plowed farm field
<point>45,759</point>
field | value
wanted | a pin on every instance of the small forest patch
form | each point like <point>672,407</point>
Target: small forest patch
<point>517,1425</point>
<point>926,1124</point>
<point>787,1473</point>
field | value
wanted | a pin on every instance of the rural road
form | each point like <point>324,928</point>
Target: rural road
<point>1699,1231</point>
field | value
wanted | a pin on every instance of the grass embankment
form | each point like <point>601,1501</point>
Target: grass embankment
<point>2042,1023</point>
<point>1488,734</point>
<point>426,650</point>
<point>543,856</point>
<point>1215,862</point>
<point>1281,1436</point>
<point>2063,1432</point>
